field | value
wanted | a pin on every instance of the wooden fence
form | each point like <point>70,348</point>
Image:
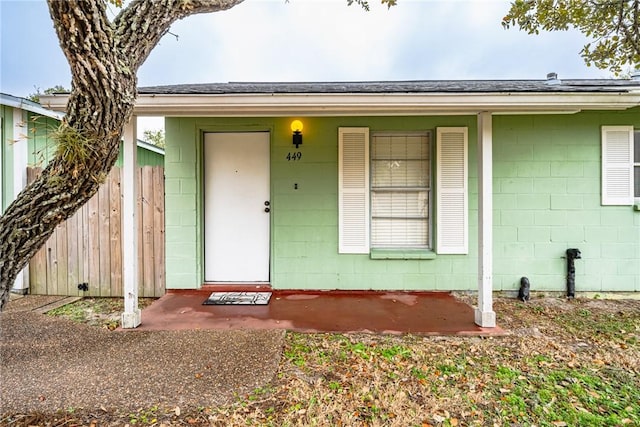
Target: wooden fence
<point>87,248</point>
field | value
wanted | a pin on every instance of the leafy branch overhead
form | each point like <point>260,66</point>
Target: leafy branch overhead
<point>155,137</point>
<point>613,27</point>
<point>35,97</point>
<point>365,4</point>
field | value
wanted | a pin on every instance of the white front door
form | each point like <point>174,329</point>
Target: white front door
<point>236,205</point>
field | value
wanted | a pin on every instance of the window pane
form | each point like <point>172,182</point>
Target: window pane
<point>400,205</point>
<point>400,173</point>
<point>400,184</point>
<point>636,180</point>
<point>391,232</point>
<point>388,147</point>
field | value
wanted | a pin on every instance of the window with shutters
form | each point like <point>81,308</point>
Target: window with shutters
<point>400,190</point>
<point>387,193</point>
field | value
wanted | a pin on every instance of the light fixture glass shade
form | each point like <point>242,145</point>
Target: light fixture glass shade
<point>296,126</point>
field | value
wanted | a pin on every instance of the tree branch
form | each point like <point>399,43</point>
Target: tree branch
<point>142,24</point>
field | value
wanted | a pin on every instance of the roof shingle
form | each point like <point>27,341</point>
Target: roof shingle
<point>382,87</point>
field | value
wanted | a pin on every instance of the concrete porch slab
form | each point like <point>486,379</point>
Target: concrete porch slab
<point>420,313</point>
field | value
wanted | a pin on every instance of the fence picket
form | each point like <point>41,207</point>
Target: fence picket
<point>115,230</point>
<point>147,230</point>
<point>38,264</point>
<point>158,229</point>
<point>105,239</point>
<point>93,252</point>
<point>52,263</point>
<point>73,273</point>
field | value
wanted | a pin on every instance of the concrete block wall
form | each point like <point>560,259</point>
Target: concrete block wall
<point>304,221</point>
<point>547,199</point>
<point>182,203</point>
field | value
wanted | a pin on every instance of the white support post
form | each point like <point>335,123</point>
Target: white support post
<point>20,160</point>
<point>484,314</point>
<point>131,317</point>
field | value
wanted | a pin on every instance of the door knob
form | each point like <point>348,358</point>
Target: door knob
<point>267,209</point>
<point>266,203</point>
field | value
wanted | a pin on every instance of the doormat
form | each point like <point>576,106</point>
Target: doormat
<point>238,298</point>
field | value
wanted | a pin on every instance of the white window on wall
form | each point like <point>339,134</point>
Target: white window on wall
<point>618,165</point>
<point>389,204</point>
<point>400,190</point>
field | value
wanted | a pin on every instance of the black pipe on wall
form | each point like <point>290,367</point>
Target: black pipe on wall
<point>572,254</point>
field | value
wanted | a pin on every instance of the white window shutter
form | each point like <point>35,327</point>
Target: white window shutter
<point>353,190</point>
<point>452,228</point>
<point>617,165</point>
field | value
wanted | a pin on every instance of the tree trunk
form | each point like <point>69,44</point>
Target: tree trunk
<point>104,58</point>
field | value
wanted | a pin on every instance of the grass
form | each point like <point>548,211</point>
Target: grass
<point>580,368</point>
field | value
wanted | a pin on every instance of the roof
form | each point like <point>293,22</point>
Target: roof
<point>422,86</point>
<point>382,98</point>
<point>27,105</point>
<point>149,146</point>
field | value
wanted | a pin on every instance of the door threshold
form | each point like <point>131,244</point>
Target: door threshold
<point>236,287</point>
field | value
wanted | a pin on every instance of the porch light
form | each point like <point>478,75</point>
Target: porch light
<point>296,127</point>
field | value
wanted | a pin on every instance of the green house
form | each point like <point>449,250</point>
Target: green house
<point>420,185</point>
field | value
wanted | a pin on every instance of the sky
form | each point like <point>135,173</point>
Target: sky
<point>310,40</point>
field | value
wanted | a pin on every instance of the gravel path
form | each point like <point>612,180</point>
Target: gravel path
<point>49,363</point>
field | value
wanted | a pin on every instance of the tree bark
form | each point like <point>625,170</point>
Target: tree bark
<point>104,58</point>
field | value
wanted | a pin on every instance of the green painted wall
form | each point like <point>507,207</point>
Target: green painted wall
<point>182,205</point>
<point>41,144</point>
<point>144,157</point>
<point>547,174</point>
<point>546,199</point>
<point>6,168</point>
<point>304,253</point>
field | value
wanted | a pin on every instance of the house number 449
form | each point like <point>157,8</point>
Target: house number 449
<point>294,156</point>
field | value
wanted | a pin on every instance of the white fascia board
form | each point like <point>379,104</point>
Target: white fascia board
<point>271,105</point>
<point>32,107</point>
<point>378,104</point>
<point>148,146</point>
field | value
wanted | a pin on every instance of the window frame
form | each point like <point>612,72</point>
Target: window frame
<point>428,189</point>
